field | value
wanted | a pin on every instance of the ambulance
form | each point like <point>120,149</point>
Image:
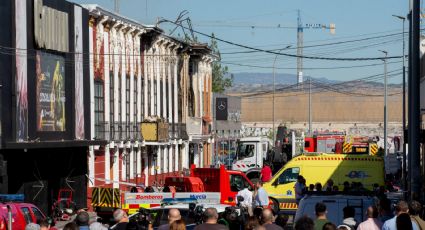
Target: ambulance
<point>319,168</point>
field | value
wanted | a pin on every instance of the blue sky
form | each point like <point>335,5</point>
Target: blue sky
<point>233,20</point>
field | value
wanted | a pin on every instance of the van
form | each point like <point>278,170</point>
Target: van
<point>334,206</point>
<point>319,168</point>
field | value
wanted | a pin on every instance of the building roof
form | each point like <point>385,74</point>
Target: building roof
<point>97,10</point>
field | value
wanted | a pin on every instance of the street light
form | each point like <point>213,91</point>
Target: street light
<point>274,89</point>
<point>385,101</point>
<point>404,172</point>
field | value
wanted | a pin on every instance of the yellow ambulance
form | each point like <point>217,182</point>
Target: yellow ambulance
<point>319,168</point>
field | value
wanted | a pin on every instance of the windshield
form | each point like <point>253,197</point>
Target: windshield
<point>245,150</point>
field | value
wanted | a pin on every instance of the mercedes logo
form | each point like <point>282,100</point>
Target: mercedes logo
<point>221,105</point>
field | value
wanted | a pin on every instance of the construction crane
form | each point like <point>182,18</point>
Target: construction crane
<point>117,6</point>
<point>300,41</point>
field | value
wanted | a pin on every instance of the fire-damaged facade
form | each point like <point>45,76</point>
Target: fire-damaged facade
<point>150,103</point>
<point>45,103</point>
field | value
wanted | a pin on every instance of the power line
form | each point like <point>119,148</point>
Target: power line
<point>284,54</point>
<point>310,68</point>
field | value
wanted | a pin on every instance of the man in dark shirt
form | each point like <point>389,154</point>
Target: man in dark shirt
<point>267,218</point>
<point>121,218</point>
<point>173,215</point>
<point>210,221</point>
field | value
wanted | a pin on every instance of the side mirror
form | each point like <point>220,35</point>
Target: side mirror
<point>276,182</point>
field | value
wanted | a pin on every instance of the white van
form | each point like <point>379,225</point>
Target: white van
<point>334,205</point>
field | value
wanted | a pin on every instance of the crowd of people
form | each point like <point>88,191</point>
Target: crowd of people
<point>405,217</point>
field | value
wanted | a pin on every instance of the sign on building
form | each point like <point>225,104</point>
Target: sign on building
<point>221,110</point>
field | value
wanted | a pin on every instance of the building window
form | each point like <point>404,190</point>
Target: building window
<point>135,98</point>
<point>99,109</point>
<point>155,95</point>
<point>127,105</point>
<point>127,164</point>
<point>111,102</point>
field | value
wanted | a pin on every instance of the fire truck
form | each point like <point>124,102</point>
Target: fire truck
<point>324,142</point>
<point>207,185</point>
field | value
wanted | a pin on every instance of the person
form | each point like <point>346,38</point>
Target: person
<point>282,220</point>
<point>173,215</point>
<point>343,227</point>
<point>267,218</point>
<point>299,188</point>
<point>329,226</point>
<point>346,186</point>
<point>318,187</point>
<point>247,199</point>
<point>252,223</point>
<point>349,213</point>
<point>97,226</point>
<point>261,196</point>
<point>415,209</point>
<point>178,225</point>
<point>329,185</point>
<point>32,226</point>
<point>321,219</point>
<point>69,226</point>
<point>304,223</point>
<point>385,212</point>
<point>132,225</point>
<point>372,222</point>
<point>404,222</point>
<point>400,208</point>
<point>44,225</point>
<point>121,218</point>
<point>266,173</point>
<point>210,221</point>
<point>311,188</point>
<point>82,220</point>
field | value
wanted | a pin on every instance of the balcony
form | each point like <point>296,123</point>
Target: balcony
<point>177,131</point>
<point>101,131</point>
<point>155,130</point>
<point>194,126</point>
<point>125,131</point>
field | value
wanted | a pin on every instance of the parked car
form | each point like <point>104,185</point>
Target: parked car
<point>335,205</point>
<point>22,214</point>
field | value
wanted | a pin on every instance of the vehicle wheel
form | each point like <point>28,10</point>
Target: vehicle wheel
<point>274,205</point>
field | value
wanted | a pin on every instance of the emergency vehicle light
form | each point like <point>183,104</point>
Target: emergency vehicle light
<point>11,197</point>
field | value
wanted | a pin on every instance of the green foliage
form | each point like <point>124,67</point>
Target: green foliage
<point>220,74</point>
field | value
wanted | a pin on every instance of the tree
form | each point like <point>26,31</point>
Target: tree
<point>220,74</point>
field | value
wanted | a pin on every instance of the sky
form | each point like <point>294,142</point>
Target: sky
<point>271,24</point>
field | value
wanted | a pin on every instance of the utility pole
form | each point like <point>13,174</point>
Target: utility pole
<point>414,102</point>
<point>404,172</point>
<point>385,103</point>
<point>310,131</point>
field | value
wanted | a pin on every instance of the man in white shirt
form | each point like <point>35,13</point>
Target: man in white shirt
<point>247,200</point>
